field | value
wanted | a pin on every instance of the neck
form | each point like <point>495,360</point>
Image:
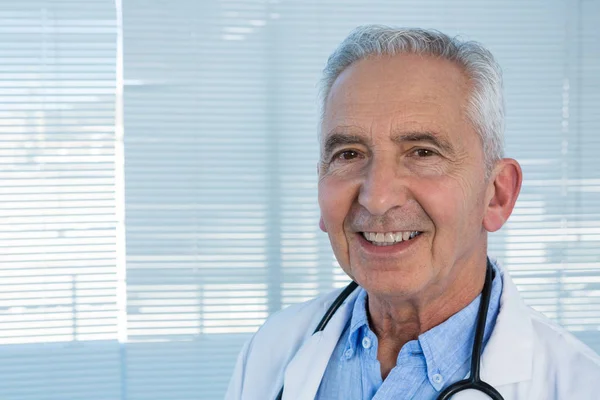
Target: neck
<point>396,321</point>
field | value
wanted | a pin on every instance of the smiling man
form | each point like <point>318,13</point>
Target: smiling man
<point>411,180</point>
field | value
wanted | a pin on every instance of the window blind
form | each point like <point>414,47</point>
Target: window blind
<point>223,112</point>
<point>58,303</point>
<point>219,118</point>
<point>200,180</point>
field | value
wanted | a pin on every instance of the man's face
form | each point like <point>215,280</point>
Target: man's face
<point>399,155</point>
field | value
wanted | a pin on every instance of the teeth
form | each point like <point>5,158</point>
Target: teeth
<point>389,238</point>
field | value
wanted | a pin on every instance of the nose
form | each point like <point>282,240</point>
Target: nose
<point>383,188</point>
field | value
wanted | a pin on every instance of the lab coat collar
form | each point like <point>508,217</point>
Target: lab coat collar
<point>508,355</point>
<point>304,373</point>
<point>507,358</point>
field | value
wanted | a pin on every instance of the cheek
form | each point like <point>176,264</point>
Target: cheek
<point>456,209</point>
<point>445,203</point>
<point>335,200</point>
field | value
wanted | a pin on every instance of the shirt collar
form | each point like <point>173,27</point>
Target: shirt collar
<point>443,357</point>
<point>358,320</point>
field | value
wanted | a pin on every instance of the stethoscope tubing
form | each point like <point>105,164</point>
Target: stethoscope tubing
<point>473,382</point>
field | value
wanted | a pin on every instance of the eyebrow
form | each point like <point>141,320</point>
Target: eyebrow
<point>429,137</point>
<point>337,139</point>
<point>340,139</point>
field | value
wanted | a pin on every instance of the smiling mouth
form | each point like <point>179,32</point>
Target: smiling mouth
<point>389,238</point>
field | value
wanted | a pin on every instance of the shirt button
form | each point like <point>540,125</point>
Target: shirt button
<point>437,378</point>
<point>348,353</point>
<point>366,343</point>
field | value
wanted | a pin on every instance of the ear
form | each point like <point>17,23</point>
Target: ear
<point>322,225</point>
<point>502,193</point>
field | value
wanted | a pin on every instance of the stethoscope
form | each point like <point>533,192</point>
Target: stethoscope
<point>474,381</point>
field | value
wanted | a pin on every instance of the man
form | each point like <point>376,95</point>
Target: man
<point>411,180</point>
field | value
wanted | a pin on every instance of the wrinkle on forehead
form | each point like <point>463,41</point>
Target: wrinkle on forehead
<point>382,96</point>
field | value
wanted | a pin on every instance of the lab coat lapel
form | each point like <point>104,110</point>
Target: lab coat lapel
<point>304,372</point>
<point>508,355</point>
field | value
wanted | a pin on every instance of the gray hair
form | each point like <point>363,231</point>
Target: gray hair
<point>486,105</point>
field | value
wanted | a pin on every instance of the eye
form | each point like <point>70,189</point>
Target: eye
<point>346,155</point>
<point>423,153</point>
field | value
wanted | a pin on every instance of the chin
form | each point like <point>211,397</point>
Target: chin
<point>391,282</point>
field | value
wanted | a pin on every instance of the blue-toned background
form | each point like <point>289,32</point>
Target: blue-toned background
<point>158,178</point>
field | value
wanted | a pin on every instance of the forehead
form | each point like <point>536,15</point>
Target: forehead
<point>404,92</point>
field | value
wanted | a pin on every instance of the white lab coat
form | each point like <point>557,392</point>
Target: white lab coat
<point>526,358</point>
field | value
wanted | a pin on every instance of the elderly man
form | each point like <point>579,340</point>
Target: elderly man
<point>411,180</point>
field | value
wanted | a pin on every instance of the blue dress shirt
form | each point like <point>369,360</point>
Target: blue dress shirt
<point>438,358</point>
